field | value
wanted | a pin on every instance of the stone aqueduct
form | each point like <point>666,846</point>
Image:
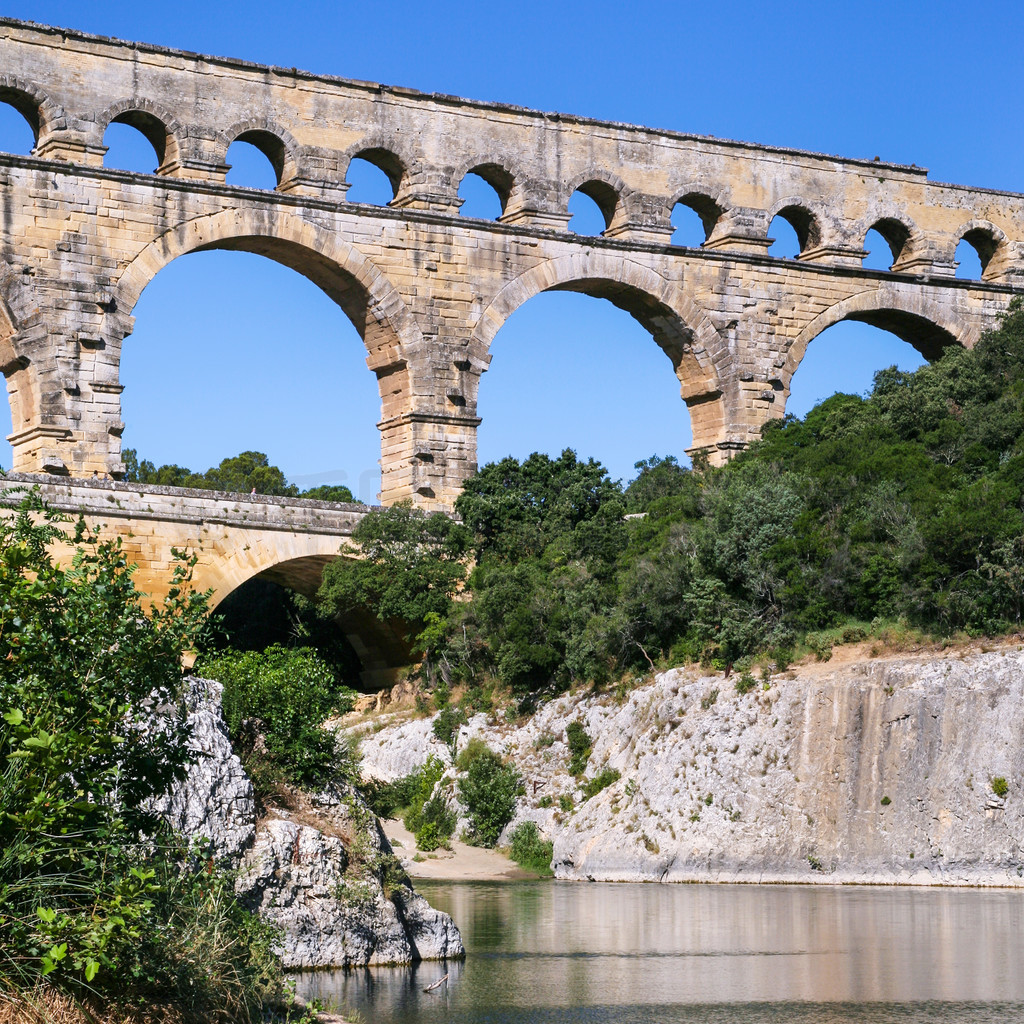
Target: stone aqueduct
<point>427,288</point>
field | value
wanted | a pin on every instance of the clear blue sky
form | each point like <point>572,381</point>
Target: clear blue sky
<point>937,84</point>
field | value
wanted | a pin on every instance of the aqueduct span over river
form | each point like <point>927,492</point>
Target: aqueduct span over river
<point>426,288</point>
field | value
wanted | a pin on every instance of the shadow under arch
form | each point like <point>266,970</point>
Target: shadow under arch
<point>928,332</point>
<point>380,646</point>
<point>682,330</point>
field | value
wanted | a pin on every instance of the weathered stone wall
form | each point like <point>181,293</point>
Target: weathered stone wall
<point>427,289</point>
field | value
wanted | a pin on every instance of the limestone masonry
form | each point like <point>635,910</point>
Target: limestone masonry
<point>428,289</point>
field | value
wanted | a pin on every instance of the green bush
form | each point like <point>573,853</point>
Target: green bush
<point>580,746</point>
<point>92,892</point>
<point>1000,786</point>
<point>745,683</point>
<point>418,787</point>
<point>282,695</point>
<point>437,824</point>
<point>446,725</point>
<point>529,851</point>
<point>488,789</point>
<point>602,780</point>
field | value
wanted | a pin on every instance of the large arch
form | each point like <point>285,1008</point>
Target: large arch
<point>42,114</point>
<point>24,392</point>
<point>927,330</point>
<point>698,352</point>
<point>362,290</point>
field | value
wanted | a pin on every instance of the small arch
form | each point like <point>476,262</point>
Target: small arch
<point>274,142</point>
<point>41,113</point>
<point>801,219</point>
<point>894,234</point>
<point>708,209</point>
<point>387,162</point>
<point>159,129</point>
<point>985,239</point>
<point>500,182</point>
<point>607,193</point>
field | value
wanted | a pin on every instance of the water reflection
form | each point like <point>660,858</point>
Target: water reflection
<point>562,951</point>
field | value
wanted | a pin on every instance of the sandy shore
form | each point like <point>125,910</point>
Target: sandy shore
<point>461,863</point>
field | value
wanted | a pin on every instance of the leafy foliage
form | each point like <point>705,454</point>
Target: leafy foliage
<point>411,566</point>
<point>275,702</point>
<point>488,789</point>
<point>243,473</point>
<point>529,851</point>
<point>92,893</point>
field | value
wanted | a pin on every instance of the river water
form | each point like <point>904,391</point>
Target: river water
<point>544,952</point>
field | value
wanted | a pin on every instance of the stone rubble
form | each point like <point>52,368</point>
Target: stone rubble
<point>878,771</point>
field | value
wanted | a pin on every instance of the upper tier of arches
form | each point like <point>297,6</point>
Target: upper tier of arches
<point>630,212</point>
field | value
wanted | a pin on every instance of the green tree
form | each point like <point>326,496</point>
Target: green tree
<point>412,566</point>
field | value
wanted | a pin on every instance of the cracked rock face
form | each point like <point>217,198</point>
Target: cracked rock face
<point>879,771</point>
<point>215,799</point>
<point>327,881</point>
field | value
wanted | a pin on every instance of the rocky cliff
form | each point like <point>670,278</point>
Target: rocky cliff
<point>316,865</point>
<point>878,771</point>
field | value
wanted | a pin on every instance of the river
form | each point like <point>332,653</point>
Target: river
<point>568,952</point>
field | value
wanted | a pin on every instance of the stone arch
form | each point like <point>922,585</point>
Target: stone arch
<point>902,314</point>
<point>801,216</point>
<point>899,232</point>
<point>42,114</point>
<point>709,204</point>
<point>608,190</point>
<point>296,562</point>
<point>390,155</point>
<point>360,288</point>
<point>699,354</point>
<point>988,240</point>
<point>277,144</point>
<point>497,170</point>
<point>164,132</point>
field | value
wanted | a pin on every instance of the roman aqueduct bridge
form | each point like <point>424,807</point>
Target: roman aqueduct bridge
<point>427,288</point>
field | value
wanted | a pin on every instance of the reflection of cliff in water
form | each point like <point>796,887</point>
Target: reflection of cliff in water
<point>660,950</point>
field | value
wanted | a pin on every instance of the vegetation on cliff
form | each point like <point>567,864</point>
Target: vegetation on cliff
<point>899,509</point>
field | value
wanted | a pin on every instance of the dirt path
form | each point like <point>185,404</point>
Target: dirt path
<point>461,863</point>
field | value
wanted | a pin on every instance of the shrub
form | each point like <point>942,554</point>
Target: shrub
<point>282,695</point>
<point>437,824</point>
<point>529,851</point>
<point>566,803</point>
<point>417,789</point>
<point>1000,786</point>
<point>488,789</point>
<point>600,781</point>
<point>745,683</point>
<point>580,746</point>
<point>446,725</point>
<point>885,801</point>
<point>93,895</point>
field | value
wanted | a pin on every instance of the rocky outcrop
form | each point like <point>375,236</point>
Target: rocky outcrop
<point>215,799</point>
<point>317,866</point>
<point>880,771</point>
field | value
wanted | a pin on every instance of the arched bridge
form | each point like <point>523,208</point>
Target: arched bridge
<point>235,538</point>
<point>427,288</point>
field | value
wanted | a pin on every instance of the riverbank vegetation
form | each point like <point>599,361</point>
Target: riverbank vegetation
<point>893,515</point>
<point>101,910</point>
